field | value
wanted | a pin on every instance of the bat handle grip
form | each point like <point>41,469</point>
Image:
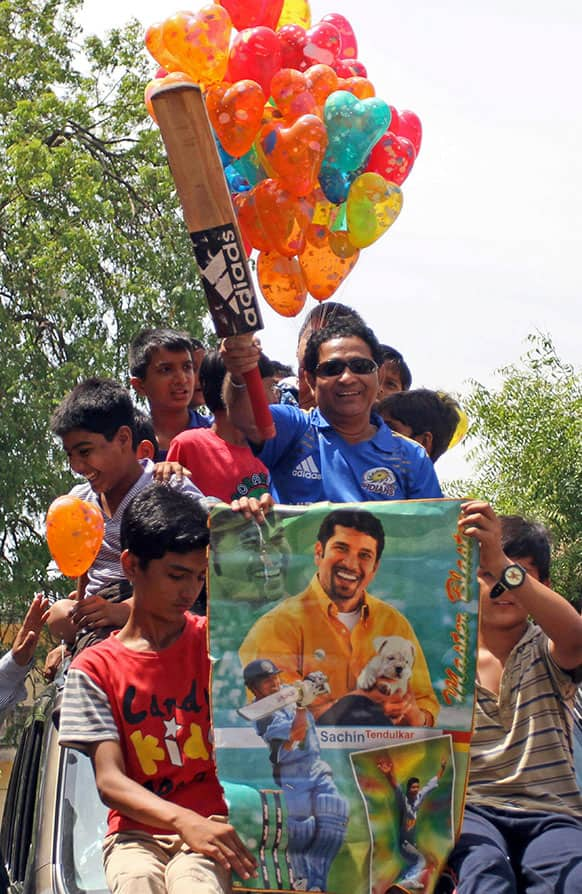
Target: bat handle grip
<point>258,399</point>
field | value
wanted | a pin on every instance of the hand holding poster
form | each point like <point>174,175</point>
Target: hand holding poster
<point>344,643</point>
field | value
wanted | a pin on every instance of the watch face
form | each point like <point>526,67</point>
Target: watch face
<point>514,575</point>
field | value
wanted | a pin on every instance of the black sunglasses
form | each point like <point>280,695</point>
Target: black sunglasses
<point>361,366</point>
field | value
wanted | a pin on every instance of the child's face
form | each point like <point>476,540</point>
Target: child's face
<point>169,380</point>
<point>396,425</point>
<point>197,394</point>
<point>103,463</point>
<point>169,586</point>
<point>392,381</point>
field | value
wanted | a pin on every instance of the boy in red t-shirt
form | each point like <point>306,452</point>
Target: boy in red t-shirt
<point>219,459</point>
<point>138,704</point>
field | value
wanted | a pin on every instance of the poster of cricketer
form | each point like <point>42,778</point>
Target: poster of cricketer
<point>343,640</point>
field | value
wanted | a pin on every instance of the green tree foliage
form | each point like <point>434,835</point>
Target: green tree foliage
<point>92,248</point>
<point>527,450</point>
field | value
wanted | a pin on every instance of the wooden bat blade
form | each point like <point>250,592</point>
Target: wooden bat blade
<point>211,221</point>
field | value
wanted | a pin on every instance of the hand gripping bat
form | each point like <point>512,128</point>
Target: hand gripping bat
<point>211,222</point>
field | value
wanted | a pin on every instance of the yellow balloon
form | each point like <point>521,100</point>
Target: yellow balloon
<point>295,12</point>
<point>461,429</point>
<point>372,207</point>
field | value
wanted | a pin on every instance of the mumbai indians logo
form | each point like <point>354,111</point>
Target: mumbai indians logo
<point>380,481</point>
<point>254,486</point>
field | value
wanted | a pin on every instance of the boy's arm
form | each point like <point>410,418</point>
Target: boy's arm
<point>95,611</point>
<point>214,839</point>
<point>555,615</point>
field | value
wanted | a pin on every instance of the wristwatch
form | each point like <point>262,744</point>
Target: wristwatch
<point>511,577</point>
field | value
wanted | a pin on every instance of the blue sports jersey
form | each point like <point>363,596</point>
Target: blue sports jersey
<point>309,462</point>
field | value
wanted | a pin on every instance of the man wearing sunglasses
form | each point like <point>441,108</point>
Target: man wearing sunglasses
<point>339,451</point>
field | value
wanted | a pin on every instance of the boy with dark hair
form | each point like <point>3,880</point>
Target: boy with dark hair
<point>429,417</point>
<point>340,450</point>
<point>219,459</point>
<point>138,704</point>
<point>161,363</point>
<point>147,443</point>
<point>198,355</point>
<point>522,829</point>
<point>397,375</point>
<point>96,423</point>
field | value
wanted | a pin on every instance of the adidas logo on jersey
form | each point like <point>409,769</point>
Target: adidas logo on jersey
<point>307,469</point>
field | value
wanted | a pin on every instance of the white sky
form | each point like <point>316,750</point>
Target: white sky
<point>487,248</point>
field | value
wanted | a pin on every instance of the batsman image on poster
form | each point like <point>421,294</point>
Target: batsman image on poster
<point>343,642</point>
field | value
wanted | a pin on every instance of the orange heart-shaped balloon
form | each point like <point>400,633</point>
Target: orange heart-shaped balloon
<point>290,91</point>
<point>293,155</point>
<point>281,283</point>
<point>360,87</point>
<point>250,224</point>
<point>284,217</point>
<point>174,77</point>
<point>74,533</point>
<point>324,270</point>
<point>154,41</point>
<point>321,81</point>
<point>273,219</point>
<point>200,42</point>
<point>372,207</point>
<point>236,114</point>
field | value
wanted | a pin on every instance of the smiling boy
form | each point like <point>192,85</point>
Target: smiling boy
<point>96,424</point>
<point>138,704</point>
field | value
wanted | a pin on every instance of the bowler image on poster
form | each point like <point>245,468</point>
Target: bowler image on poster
<point>408,795</point>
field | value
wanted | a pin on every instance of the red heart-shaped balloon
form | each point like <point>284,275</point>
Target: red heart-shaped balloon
<point>255,55</point>
<point>392,157</point>
<point>408,125</point>
<point>349,44</point>
<point>322,45</point>
<point>350,68</point>
<point>250,13</point>
<point>291,41</point>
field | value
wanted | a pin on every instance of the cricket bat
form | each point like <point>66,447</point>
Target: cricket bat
<point>264,707</point>
<point>211,221</point>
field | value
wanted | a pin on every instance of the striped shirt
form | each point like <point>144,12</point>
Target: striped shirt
<point>106,569</point>
<point>521,752</point>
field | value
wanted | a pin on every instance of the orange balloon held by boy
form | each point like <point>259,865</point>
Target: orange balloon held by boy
<point>74,533</point>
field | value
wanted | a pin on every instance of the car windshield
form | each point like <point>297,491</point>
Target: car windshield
<point>83,824</point>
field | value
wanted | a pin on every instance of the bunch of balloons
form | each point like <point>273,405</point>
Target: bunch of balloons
<point>313,158</point>
<point>74,533</point>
